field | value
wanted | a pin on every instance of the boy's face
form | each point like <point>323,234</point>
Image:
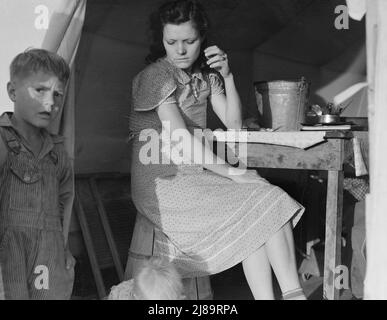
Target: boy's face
<point>37,98</point>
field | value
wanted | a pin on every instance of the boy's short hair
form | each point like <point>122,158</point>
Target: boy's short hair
<point>35,60</point>
<point>158,280</point>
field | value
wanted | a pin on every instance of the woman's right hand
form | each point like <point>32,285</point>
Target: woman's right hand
<point>217,59</point>
<point>244,176</point>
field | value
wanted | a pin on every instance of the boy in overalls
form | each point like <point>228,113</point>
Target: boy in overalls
<point>36,182</point>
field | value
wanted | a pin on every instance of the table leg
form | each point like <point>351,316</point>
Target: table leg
<point>333,225</point>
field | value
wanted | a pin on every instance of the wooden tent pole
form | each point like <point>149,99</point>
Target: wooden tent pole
<point>2,297</point>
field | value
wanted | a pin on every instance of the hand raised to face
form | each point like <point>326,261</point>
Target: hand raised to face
<point>217,59</point>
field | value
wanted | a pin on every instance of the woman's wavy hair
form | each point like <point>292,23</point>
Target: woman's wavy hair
<point>177,12</point>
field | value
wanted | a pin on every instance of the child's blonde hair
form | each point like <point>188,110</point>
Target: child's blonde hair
<point>158,280</point>
<point>34,60</point>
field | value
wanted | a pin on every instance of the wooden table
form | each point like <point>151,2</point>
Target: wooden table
<point>329,156</point>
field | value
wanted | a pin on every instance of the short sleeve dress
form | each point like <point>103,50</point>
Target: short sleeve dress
<point>204,223</point>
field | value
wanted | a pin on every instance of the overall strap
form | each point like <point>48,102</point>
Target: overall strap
<point>54,154</point>
<point>11,142</point>
<point>3,148</point>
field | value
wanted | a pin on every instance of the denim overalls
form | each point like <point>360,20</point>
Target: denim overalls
<point>32,252</point>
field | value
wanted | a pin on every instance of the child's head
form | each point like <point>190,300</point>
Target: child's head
<point>158,280</point>
<point>39,60</point>
<point>37,83</point>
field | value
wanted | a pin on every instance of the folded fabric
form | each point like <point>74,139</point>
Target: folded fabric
<point>357,187</point>
<point>296,139</point>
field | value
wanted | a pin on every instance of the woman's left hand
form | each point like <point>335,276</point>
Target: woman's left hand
<point>217,59</point>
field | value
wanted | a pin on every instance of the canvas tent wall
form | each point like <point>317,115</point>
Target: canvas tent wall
<point>265,40</point>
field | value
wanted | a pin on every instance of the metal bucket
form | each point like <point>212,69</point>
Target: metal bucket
<point>282,103</point>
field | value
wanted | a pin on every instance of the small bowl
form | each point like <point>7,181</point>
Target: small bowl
<point>329,118</point>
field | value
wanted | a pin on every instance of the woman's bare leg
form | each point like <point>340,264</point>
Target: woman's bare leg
<point>281,254</point>
<point>257,271</point>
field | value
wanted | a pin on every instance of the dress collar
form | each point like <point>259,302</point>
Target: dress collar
<point>183,77</point>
